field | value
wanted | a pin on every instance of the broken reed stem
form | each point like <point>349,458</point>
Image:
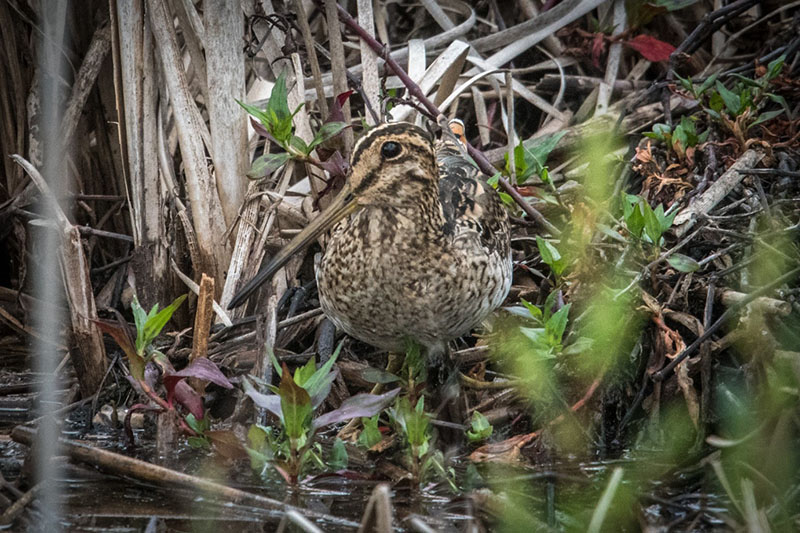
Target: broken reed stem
<point>202,326</point>
<point>414,90</point>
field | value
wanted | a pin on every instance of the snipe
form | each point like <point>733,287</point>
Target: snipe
<point>421,249</point>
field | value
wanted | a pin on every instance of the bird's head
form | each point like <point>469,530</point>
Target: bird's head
<point>393,165</point>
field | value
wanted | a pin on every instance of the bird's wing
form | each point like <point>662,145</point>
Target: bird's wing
<point>471,206</point>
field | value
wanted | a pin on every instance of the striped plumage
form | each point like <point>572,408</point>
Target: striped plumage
<point>421,249</point>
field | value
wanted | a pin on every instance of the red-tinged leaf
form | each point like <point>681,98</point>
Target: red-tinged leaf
<point>335,113</point>
<point>598,47</point>
<point>343,97</point>
<point>227,444</point>
<point>270,402</point>
<point>295,405</point>
<point>358,406</point>
<point>336,165</point>
<point>186,396</point>
<point>200,368</point>
<point>283,472</point>
<point>259,127</point>
<point>122,337</point>
<point>651,48</point>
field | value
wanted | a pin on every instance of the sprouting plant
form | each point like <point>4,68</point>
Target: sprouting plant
<point>289,447</point>
<point>180,397</point>
<point>423,460</point>
<point>684,135</point>
<point>530,157</point>
<point>276,122</point>
<point>644,222</point>
<point>546,337</point>
<point>370,434</point>
<point>741,106</point>
<point>551,256</point>
<point>480,428</point>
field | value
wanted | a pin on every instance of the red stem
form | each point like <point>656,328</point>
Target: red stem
<point>415,91</point>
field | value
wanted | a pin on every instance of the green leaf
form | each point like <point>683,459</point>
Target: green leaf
<point>198,443</point>
<point>317,381</point>
<point>768,115</point>
<point>665,220</point>
<point>538,336</point>
<point>780,100</point>
<point>580,345</point>
<point>534,311</point>
<point>683,263</point>
<point>732,101</point>
<point>652,225</point>
<point>632,207</point>
<point>480,428</point>
<point>266,164</point>
<point>416,421</point>
<point>278,104</point>
<point>715,105</point>
<point>302,374</point>
<point>140,319</point>
<point>275,363</point>
<point>299,145</point>
<point>370,435</point>
<point>686,83</point>
<point>327,131</point>
<point>156,322</point>
<point>707,83</point>
<point>262,116</point>
<point>549,303</point>
<point>774,68</point>
<point>556,325</point>
<point>746,81</point>
<point>551,256</point>
<point>338,459</point>
<point>257,437</point>
<point>295,405</point>
<point>536,151</point>
<point>282,131</point>
<point>373,375</point>
<point>520,167</point>
<point>197,425</point>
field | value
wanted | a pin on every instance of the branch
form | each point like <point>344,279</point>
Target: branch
<point>414,90</point>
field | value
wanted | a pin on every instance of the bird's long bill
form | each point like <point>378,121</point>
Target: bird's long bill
<point>342,205</point>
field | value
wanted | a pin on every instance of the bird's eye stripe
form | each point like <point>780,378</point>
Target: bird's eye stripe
<point>402,130</point>
<point>368,180</point>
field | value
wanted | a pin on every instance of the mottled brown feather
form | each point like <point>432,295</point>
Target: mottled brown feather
<point>427,257</point>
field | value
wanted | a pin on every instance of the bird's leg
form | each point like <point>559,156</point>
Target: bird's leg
<point>350,431</point>
<point>447,398</point>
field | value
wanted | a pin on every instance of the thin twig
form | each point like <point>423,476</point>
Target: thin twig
<point>414,90</point>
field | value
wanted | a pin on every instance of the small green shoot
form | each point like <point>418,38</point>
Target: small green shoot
<point>276,121</point>
<point>414,424</point>
<point>683,263</point>
<point>480,428</point>
<point>290,448</point>
<point>551,256</point>
<point>644,222</point>
<point>371,434</point>
<point>530,157</point>
<point>683,136</point>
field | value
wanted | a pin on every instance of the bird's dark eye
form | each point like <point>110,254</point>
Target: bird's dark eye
<point>391,149</point>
